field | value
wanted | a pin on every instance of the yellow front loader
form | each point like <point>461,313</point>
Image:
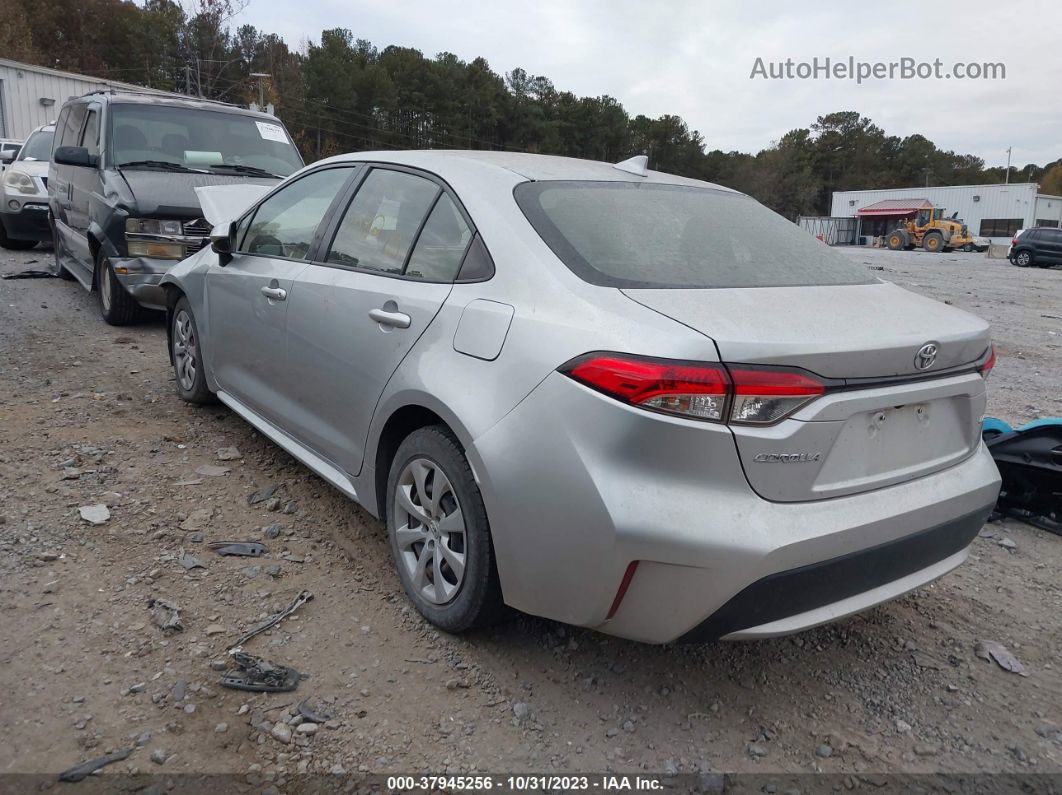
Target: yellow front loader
<point>931,231</point>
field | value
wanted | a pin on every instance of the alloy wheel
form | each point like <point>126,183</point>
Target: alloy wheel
<point>185,350</point>
<point>105,286</point>
<point>430,531</point>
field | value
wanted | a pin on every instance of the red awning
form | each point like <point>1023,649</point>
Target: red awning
<point>895,207</point>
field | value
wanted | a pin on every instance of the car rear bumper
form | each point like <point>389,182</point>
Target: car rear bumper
<point>29,223</point>
<point>610,485</point>
<point>141,279</point>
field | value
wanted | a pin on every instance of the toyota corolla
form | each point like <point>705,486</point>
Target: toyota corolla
<point>614,397</point>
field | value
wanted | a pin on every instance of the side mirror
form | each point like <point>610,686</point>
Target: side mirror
<point>74,156</point>
<point>223,242</point>
<point>8,156</point>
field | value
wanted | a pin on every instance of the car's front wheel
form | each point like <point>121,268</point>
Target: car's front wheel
<point>440,538</point>
<point>188,356</point>
<point>116,305</point>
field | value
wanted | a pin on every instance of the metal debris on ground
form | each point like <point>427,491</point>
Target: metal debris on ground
<point>30,274</point>
<point>302,598</point>
<point>247,549</point>
<point>166,616</point>
<point>80,771</point>
<point>997,652</point>
<point>313,714</point>
<point>1030,461</point>
<point>188,562</point>
<point>260,676</point>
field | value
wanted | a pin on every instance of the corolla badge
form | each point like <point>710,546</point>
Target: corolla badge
<point>786,458</point>
<point>926,356</point>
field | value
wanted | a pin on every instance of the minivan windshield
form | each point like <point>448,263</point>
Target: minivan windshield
<point>625,234</point>
<point>38,146</point>
<point>174,138</point>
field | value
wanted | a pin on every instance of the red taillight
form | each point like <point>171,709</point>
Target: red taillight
<point>985,368</point>
<point>694,390</point>
<point>763,395</point>
<point>625,583</point>
<point>739,394</point>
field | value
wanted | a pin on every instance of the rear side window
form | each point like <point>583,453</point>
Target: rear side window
<point>624,234</point>
<point>285,224</point>
<point>382,221</point>
<point>441,245</point>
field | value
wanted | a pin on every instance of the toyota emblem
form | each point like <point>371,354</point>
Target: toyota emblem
<point>926,356</point>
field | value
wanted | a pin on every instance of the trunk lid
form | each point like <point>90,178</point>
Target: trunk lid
<point>885,421</point>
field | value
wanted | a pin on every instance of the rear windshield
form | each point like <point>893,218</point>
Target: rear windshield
<point>38,146</point>
<point>200,140</point>
<point>625,234</point>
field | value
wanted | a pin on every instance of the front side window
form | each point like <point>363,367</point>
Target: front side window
<point>441,245</point>
<point>626,234</point>
<point>175,138</point>
<point>284,224</point>
<point>38,146</point>
<point>70,128</point>
<point>90,139</point>
<point>381,222</point>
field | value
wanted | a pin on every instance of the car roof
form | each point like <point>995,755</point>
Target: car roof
<point>170,100</point>
<point>530,166</point>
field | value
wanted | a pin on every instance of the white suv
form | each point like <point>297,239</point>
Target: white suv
<point>24,209</point>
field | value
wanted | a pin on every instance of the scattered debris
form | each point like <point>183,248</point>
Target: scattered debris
<point>990,650</point>
<point>30,274</point>
<point>247,549</point>
<point>228,454</point>
<point>189,481</point>
<point>78,772</point>
<point>95,514</point>
<point>212,470</point>
<point>314,714</point>
<point>302,598</point>
<point>189,562</point>
<point>261,495</point>
<point>166,616</point>
<point>1030,461</point>
<point>260,676</point>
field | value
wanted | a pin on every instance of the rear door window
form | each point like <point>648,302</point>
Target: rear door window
<point>441,245</point>
<point>286,223</point>
<point>626,234</point>
<point>382,222</point>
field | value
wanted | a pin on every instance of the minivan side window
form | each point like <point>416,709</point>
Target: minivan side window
<point>68,135</point>
<point>90,139</point>
<point>382,221</point>
<point>285,224</point>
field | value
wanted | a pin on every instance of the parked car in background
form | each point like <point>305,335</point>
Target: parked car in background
<point>1039,245</point>
<point>614,397</point>
<point>8,151</point>
<point>24,211</point>
<point>122,186</point>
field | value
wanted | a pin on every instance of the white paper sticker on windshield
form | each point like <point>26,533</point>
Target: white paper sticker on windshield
<point>272,132</point>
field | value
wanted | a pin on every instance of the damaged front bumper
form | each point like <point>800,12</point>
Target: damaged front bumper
<point>141,277</point>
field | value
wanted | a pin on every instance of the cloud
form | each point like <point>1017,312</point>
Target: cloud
<point>693,59</point>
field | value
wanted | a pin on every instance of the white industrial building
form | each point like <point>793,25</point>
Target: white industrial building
<point>32,95</point>
<point>995,212</point>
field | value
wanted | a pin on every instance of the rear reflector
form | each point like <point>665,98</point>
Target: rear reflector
<point>692,390</point>
<point>986,367</point>
<point>625,583</point>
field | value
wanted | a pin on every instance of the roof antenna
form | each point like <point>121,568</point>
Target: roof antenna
<point>638,165</point>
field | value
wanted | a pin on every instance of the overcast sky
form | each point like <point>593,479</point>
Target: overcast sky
<point>694,59</point>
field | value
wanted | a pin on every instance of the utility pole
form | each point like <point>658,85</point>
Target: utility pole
<point>262,77</point>
<point>1007,180</point>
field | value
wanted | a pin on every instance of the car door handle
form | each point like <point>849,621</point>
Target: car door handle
<point>385,318</point>
<point>275,293</point>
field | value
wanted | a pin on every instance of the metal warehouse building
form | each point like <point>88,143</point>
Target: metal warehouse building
<point>32,95</point>
<point>991,211</point>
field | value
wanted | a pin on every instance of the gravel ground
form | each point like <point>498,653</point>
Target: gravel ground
<point>89,418</point>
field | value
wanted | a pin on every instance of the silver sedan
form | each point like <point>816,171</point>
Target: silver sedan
<point>613,397</point>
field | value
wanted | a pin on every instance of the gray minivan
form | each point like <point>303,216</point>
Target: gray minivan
<point>121,186</point>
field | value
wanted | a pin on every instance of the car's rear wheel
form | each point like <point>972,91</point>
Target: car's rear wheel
<point>58,268</point>
<point>440,538</point>
<point>116,305</point>
<point>1023,259</point>
<point>188,356</point>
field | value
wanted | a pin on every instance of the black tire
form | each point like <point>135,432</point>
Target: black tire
<point>58,268</point>
<point>897,240</point>
<point>117,307</point>
<point>12,244</point>
<point>191,383</point>
<point>968,248</point>
<point>933,242</point>
<point>478,599</point>
<point>1024,258</point>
